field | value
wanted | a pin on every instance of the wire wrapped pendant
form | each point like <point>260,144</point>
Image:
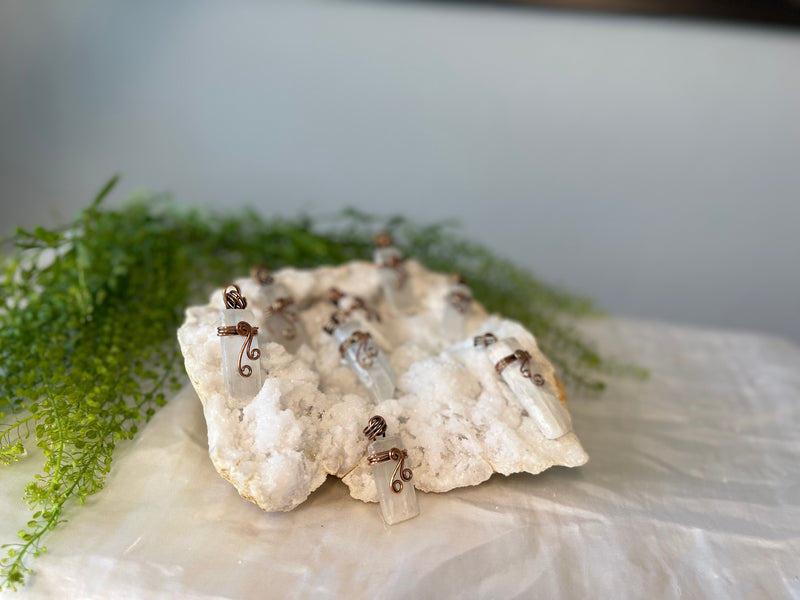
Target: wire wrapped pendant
<point>530,387</point>
<point>240,352</point>
<point>395,282</point>
<point>387,460</point>
<point>456,308</point>
<point>362,354</point>
<point>281,322</point>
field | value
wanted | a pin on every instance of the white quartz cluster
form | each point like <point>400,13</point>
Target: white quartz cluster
<point>459,420</point>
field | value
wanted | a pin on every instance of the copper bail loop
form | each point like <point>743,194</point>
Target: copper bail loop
<point>383,239</point>
<point>376,427</point>
<point>262,275</point>
<point>487,339</point>
<point>233,298</point>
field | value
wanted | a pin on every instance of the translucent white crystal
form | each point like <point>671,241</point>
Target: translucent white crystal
<point>454,321</point>
<point>395,507</point>
<point>240,390</point>
<point>396,288</point>
<point>460,421</point>
<point>282,327</point>
<point>368,362</point>
<point>541,402</point>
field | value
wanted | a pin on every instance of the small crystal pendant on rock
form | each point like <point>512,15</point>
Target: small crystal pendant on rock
<point>394,277</point>
<point>387,459</point>
<point>281,323</point>
<point>536,395</point>
<point>360,351</point>
<point>241,367</point>
<point>456,309</point>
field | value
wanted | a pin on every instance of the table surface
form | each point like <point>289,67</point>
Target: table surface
<point>692,491</point>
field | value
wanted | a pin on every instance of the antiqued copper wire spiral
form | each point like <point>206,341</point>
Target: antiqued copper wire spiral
<point>524,357</point>
<point>383,239</point>
<point>280,308</point>
<point>246,330</point>
<point>233,298</point>
<point>365,352</point>
<point>336,319</point>
<point>335,295</point>
<point>396,264</point>
<point>459,300</point>
<point>487,339</point>
<point>376,427</point>
<point>262,275</point>
<point>399,456</point>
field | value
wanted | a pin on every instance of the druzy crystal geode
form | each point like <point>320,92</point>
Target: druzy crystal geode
<point>459,420</point>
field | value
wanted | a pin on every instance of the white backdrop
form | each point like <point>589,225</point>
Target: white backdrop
<point>651,164</point>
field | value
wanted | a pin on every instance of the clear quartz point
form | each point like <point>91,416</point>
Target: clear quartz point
<point>396,288</point>
<point>456,309</point>
<point>395,507</point>
<point>368,361</point>
<point>283,327</point>
<point>240,390</point>
<point>541,402</point>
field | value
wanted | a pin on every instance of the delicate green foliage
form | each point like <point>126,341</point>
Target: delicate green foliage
<point>87,332</point>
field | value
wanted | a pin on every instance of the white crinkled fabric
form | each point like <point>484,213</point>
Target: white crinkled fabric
<point>459,422</point>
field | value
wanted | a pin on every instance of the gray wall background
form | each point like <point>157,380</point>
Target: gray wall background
<point>652,164</point>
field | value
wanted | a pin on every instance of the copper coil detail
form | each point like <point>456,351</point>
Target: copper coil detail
<point>399,456</point>
<point>459,300</point>
<point>538,379</point>
<point>244,329</point>
<point>487,339</point>
<point>233,298</point>
<point>262,275</point>
<point>281,309</point>
<point>383,239</point>
<point>396,264</point>
<point>376,427</point>
<point>524,358</point>
<point>365,351</point>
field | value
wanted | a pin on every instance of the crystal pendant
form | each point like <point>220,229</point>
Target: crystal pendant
<point>456,309</point>
<point>387,459</point>
<point>364,356</point>
<point>518,369</point>
<point>281,323</point>
<point>394,278</point>
<point>241,367</point>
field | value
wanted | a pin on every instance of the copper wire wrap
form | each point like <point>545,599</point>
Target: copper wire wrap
<point>365,353</point>
<point>234,298</point>
<point>396,263</point>
<point>524,357</point>
<point>246,330</point>
<point>336,319</point>
<point>459,301</point>
<point>262,275</point>
<point>335,295</point>
<point>487,339</point>
<point>376,427</point>
<point>280,308</point>
<point>399,456</point>
<point>383,239</point>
